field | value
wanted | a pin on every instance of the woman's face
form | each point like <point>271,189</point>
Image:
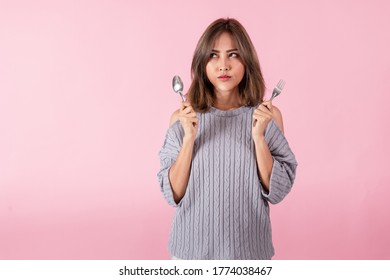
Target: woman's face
<point>225,69</point>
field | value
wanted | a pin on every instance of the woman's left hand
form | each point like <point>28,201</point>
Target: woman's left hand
<point>261,118</point>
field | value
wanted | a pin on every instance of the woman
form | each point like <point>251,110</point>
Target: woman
<point>225,156</point>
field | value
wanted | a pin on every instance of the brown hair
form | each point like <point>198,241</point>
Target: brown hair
<point>252,86</point>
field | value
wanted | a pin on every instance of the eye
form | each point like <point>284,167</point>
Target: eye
<point>233,54</point>
<point>213,55</point>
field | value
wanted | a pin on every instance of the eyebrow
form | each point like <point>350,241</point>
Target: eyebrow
<point>228,51</point>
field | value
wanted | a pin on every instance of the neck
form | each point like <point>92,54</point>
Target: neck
<point>226,100</point>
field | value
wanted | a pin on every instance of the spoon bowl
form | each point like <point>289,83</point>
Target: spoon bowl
<point>178,86</point>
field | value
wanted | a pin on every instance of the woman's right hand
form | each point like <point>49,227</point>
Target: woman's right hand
<point>188,120</point>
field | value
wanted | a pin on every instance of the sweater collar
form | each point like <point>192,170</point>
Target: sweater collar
<point>229,113</point>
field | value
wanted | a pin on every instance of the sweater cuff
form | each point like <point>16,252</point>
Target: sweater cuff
<point>166,189</point>
<point>279,185</point>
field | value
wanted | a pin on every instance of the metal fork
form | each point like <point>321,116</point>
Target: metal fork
<point>278,89</point>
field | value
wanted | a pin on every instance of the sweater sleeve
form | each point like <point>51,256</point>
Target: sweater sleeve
<point>284,166</point>
<point>168,155</point>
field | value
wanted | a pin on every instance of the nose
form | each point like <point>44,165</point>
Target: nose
<point>224,64</point>
<point>223,68</point>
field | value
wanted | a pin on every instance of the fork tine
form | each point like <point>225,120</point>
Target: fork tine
<point>281,84</point>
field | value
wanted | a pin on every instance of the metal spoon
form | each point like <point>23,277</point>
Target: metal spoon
<point>178,86</point>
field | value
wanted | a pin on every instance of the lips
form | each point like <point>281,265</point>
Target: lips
<point>224,77</point>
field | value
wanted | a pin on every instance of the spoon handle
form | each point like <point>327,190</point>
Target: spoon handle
<point>182,96</point>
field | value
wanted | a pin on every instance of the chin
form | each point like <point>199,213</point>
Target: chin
<point>226,89</point>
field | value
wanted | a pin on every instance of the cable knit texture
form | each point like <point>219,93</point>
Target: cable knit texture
<point>224,213</point>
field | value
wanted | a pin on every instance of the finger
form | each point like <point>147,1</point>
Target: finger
<point>262,116</point>
<point>185,109</point>
<point>264,109</point>
<point>188,110</point>
<point>191,122</point>
<point>191,115</point>
<point>268,104</point>
<point>185,104</point>
<point>187,117</point>
<point>195,121</point>
<point>190,119</point>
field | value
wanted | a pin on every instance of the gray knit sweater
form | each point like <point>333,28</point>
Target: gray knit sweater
<point>224,213</point>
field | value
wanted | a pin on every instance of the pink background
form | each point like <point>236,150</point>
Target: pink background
<point>85,100</point>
